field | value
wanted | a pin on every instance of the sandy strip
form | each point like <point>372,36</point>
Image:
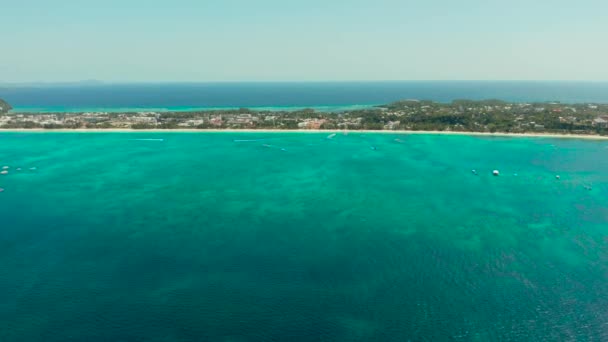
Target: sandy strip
<point>249,131</point>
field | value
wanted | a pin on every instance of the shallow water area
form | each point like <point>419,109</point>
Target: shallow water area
<point>287,236</point>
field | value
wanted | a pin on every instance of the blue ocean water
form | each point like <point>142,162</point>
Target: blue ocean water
<point>296,237</point>
<point>331,96</point>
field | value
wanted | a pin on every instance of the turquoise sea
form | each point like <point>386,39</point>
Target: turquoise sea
<point>296,237</point>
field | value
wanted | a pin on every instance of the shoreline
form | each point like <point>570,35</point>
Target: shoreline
<point>307,131</point>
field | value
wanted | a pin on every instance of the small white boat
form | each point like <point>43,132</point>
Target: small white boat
<point>496,173</point>
<point>331,136</point>
<point>4,172</point>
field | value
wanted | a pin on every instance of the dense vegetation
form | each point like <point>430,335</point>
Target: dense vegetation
<point>496,116</point>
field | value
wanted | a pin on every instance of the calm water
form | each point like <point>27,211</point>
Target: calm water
<point>329,96</point>
<point>196,237</point>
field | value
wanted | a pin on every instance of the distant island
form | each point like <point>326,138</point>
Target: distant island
<point>488,116</point>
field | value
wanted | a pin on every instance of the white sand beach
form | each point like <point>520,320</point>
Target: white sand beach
<point>249,131</point>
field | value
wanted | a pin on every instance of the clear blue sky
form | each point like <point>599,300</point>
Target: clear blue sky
<point>294,40</point>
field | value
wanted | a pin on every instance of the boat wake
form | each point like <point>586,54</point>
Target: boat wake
<point>147,139</point>
<point>250,140</point>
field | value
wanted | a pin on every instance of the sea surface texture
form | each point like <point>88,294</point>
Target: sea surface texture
<point>323,96</point>
<point>297,237</point>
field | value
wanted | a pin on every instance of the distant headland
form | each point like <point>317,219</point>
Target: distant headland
<point>487,116</point>
<point>5,107</point>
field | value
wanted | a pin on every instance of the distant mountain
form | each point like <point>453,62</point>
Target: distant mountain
<point>4,106</point>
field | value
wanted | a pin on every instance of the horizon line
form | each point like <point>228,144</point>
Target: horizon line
<point>102,82</point>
